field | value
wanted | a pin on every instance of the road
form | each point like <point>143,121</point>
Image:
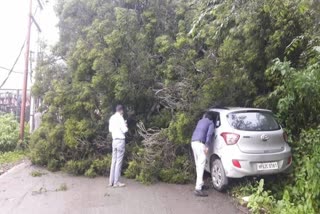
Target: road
<point>59,193</point>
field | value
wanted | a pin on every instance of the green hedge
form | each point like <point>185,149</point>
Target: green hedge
<point>9,133</point>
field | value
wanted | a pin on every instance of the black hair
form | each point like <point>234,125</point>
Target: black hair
<point>119,108</point>
<point>208,115</point>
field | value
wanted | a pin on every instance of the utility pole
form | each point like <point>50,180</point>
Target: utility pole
<point>25,75</point>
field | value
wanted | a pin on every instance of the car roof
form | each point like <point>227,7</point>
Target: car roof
<point>231,109</point>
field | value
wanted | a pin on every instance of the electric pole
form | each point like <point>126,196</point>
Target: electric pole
<point>25,75</point>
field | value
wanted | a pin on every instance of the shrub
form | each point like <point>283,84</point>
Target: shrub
<point>11,157</point>
<point>46,147</point>
<point>99,167</point>
<point>88,167</point>
<point>9,133</point>
<point>179,172</point>
<point>159,159</point>
<point>77,167</point>
<point>297,97</point>
<point>305,191</point>
<point>90,173</point>
<point>180,129</point>
<point>75,130</point>
<point>133,170</point>
<point>173,175</point>
<point>148,172</point>
<point>54,165</point>
<point>261,201</point>
<point>39,153</point>
<point>161,120</point>
<point>55,145</point>
<point>37,173</point>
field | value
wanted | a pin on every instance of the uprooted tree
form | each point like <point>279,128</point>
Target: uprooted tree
<point>167,61</point>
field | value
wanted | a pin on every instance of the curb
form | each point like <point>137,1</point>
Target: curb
<point>17,167</point>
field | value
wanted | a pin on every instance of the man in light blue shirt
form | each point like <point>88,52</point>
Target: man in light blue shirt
<point>201,139</point>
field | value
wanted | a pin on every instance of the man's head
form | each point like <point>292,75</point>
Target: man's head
<point>208,115</point>
<point>119,109</point>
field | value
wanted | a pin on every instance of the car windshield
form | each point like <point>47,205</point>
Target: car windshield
<point>253,121</point>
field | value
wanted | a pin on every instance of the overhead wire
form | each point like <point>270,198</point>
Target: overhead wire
<point>17,59</point>
<point>14,64</point>
<point>7,69</point>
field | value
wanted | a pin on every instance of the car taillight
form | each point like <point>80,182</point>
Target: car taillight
<point>289,160</point>
<point>285,136</point>
<point>230,138</point>
<point>236,163</point>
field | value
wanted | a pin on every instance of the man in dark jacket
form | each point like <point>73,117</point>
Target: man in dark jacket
<point>201,138</point>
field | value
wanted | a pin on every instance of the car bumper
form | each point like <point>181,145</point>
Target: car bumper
<point>249,163</point>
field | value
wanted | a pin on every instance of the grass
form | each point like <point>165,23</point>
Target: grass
<point>62,187</point>
<point>36,173</point>
<point>40,191</point>
<point>11,157</point>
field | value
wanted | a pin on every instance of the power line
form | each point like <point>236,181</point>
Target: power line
<point>14,64</point>
<point>16,61</point>
<point>7,69</point>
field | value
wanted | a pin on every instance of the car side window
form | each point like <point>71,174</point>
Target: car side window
<point>217,119</point>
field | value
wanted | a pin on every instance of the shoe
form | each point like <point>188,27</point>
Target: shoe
<point>205,187</point>
<point>119,185</point>
<point>200,193</point>
<point>110,185</point>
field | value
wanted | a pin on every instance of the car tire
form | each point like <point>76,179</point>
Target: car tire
<point>218,175</point>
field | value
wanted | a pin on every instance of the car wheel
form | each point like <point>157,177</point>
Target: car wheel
<point>218,175</point>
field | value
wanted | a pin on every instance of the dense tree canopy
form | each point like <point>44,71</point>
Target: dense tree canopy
<point>167,61</point>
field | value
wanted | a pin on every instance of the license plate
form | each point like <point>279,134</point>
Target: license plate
<point>267,166</point>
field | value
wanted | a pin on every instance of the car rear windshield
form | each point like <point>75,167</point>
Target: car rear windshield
<point>253,121</point>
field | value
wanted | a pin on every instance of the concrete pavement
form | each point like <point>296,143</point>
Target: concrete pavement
<point>21,193</point>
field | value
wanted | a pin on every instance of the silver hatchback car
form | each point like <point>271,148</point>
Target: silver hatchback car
<point>247,142</point>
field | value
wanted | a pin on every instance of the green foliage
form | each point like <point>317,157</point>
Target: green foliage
<point>168,61</point>
<point>142,170</point>
<point>11,157</point>
<point>9,133</point>
<point>148,173</point>
<point>77,167</point>
<point>99,167</point>
<point>244,188</point>
<point>75,130</point>
<point>298,95</point>
<point>46,147</point>
<point>177,173</point>
<point>298,194</point>
<point>305,191</point>
<point>161,120</point>
<point>261,200</point>
<point>90,168</point>
<point>132,170</point>
<point>37,173</point>
<point>53,165</point>
<point>159,159</point>
<point>62,187</point>
<point>179,130</point>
